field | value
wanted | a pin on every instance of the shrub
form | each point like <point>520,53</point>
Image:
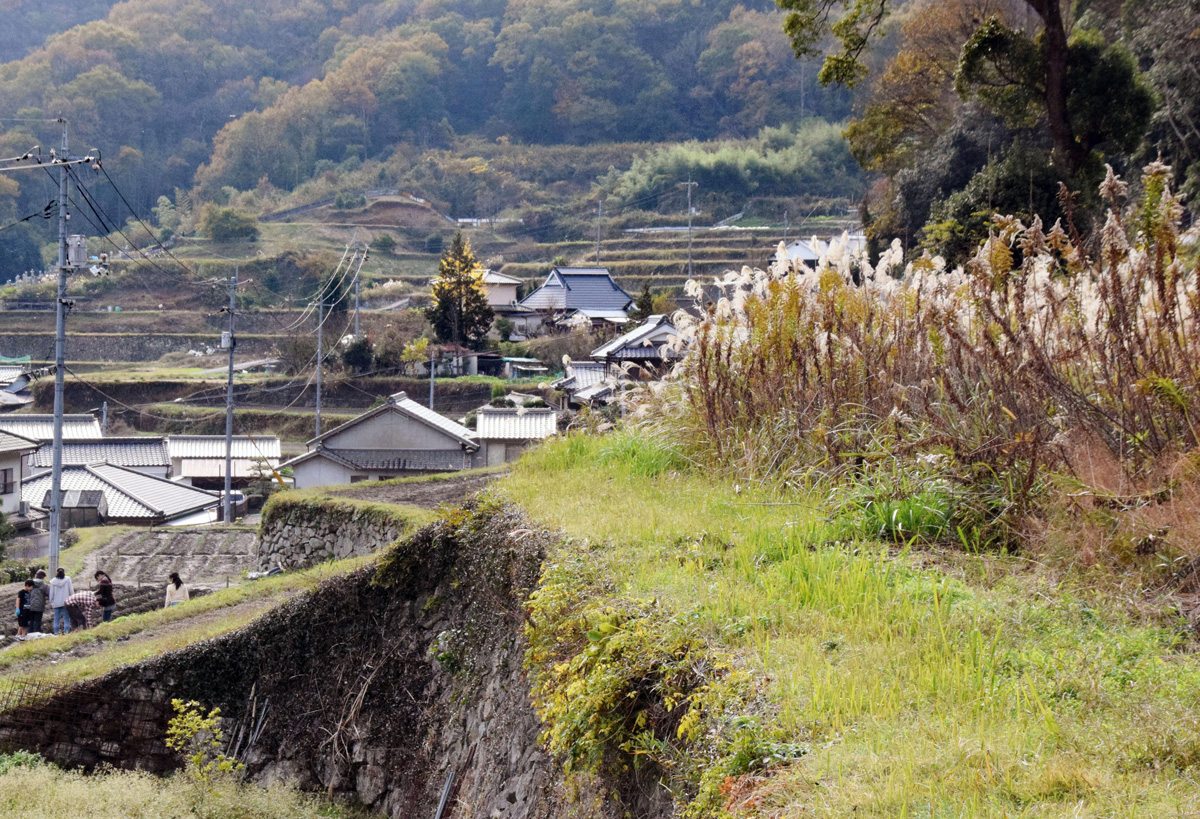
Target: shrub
<point>227,224</point>
<point>384,243</point>
<point>358,355</point>
<point>434,243</point>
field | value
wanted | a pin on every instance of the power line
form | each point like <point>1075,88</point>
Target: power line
<point>133,213</point>
<point>46,213</point>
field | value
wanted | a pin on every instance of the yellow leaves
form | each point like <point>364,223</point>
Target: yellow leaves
<point>1000,258</point>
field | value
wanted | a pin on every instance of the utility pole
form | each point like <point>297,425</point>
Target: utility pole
<point>320,351</point>
<point>67,261</point>
<point>227,516</point>
<point>357,334</point>
<point>431,376</point>
<point>104,418</point>
<point>689,185</point>
<point>785,226</point>
<point>60,364</point>
<point>599,218</point>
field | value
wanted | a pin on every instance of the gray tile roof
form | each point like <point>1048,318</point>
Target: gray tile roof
<point>213,446</point>
<point>41,427</point>
<point>579,288</point>
<point>580,375</point>
<point>131,451</point>
<point>398,460</point>
<point>130,495</point>
<point>516,424</point>
<point>642,342</point>
<point>401,403</point>
<point>15,443</point>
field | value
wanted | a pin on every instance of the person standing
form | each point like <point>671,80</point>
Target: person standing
<point>60,590</point>
<point>176,592</point>
<point>39,595</point>
<point>23,610</point>
<point>104,596</point>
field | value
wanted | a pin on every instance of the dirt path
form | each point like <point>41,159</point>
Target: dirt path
<point>152,638</point>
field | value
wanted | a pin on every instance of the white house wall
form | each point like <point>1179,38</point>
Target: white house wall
<point>12,501</point>
<point>319,472</point>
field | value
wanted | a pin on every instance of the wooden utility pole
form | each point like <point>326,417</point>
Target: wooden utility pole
<point>689,185</point>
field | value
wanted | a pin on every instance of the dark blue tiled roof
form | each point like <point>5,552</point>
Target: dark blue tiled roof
<point>578,288</point>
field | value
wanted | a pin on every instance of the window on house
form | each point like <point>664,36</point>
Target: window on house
<point>357,478</point>
<point>8,483</point>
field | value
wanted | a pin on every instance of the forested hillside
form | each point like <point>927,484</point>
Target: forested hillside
<point>934,113</point>
<point>212,93</point>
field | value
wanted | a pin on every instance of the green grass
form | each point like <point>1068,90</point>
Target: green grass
<point>985,690</point>
<point>90,539</point>
<point>119,650</point>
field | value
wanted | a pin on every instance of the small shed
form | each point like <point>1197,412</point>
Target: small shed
<point>505,433</point>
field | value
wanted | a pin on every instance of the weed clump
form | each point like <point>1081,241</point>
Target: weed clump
<point>947,396</point>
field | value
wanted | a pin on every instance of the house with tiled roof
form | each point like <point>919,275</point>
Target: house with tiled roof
<point>579,375</point>
<point>581,293</point>
<point>41,427</point>
<point>145,454</point>
<point>506,432</point>
<point>104,493</point>
<point>398,438</point>
<point>199,460</point>
<point>647,345</point>
<point>501,289</point>
<point>14,449</point>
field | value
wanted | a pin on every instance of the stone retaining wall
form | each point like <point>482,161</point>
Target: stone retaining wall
<point>295,534</point>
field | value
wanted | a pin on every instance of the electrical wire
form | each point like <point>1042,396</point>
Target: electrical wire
<point>44,213</point>
<point>133,213</point>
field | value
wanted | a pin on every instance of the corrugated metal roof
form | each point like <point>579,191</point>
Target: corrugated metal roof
<point>130,495</point>
<point>10,374</point>
<point>516,424</point>
<point>41,427</point>
<point>15,443</point>
<point>213,446</point>
<point>577,288</point>
<point>643,341</point>
<point>120,451</point>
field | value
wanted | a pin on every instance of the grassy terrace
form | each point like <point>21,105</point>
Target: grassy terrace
<point>83,655</point>
<point>913,683</point>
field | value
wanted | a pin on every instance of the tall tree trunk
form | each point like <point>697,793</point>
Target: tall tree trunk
<point>1067,152</point>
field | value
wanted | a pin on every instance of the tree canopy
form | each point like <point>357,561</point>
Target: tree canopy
<point>459,313</point>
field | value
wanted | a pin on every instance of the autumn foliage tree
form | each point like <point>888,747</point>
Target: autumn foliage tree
<point>459,312</point>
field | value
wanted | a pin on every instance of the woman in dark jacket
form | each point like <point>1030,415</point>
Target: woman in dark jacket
<point>104,596</point>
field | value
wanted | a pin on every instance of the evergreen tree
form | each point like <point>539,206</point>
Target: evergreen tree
<point>459,313</point>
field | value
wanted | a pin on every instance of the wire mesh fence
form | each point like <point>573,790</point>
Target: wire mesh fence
<point>83,726</point>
